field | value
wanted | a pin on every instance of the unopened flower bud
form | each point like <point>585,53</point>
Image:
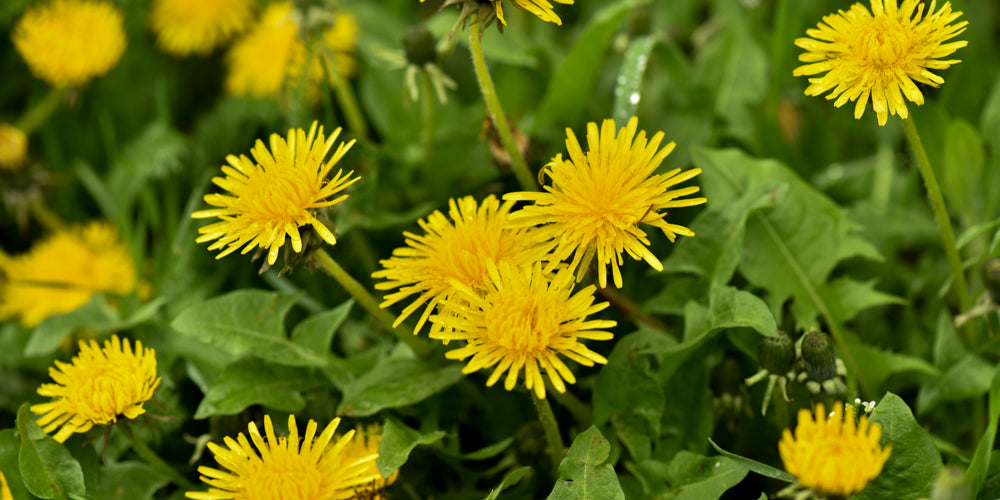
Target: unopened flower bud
<point>776,354</point>
<point>819,356</point>
<point>419,46</point>
<point>991,277</point>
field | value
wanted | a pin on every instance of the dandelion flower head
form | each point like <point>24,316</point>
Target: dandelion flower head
<point>878,55</point>
<point>835,454</point>
<point>596,200</point>
<point>287,467</point>
<point>185,27</point>
<point>5,493</point>
<point>276,193</point>
<point>63,271</point>
<point>13,147</point>
<point>540,8</point>
<point>452,251</point>
<point>69,42</point>
<point>366,443</point>
<point>271,53</point>
<point>526,319</point>
<point>97,386</point>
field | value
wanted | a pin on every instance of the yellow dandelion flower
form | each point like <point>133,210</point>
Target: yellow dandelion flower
<point>834,454</point>
<point>13,147</point>
<point>185,27</point>
<point>69,42</point>
<point>63,271</point>
<point>274,195</point>
<point>540,8</point>
<point>455,250</point>
<point>366,443</point>
<point>597,199</point>
<point>283,468</point>
<point>878,55</point>
<point>523,321</point>
<point>97,386</point>
<point>271,53</point>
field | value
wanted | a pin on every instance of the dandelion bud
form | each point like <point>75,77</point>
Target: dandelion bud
<point>776,354</point>
<point>419,46</point>
<point>991,277</point>
<point>819,356</point>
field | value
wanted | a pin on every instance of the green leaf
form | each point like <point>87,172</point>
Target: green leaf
<point>877,365</point>
<point>123,480</point>
<point>914,463</point>
<point>316,332</point>
<point>845,297</point>
<point>715,252</point>
<point>246,322</point>
<point>629,83</point>
<point>95,315</point>
<point>394,383</point>
<point>509,480</point>
<point>980,466</point>
<point>755,466</point>
<point>48,470</point>
<point>695,477</point>
<point>250,381</point>
<point>583,473</point>
<point>485,452</point>
<point>9,446</point>
<point>573,82</point>
<point>398,441</point>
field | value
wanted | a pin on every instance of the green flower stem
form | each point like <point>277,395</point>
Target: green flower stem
<point>140,448</point>
<point>345,97</point>
<point>41,111</point>
<point>427,112</point>
<point>521,171</point>
<point>368,302</point>
<point>940,213</point>
<point>551,427</point>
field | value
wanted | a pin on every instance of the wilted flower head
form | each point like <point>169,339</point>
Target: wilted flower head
<point>271,53</point>
<point>286,467</point>
<point>97,386</point>
<point>525,319</point>
<point>69,42</point>
<point>878,55</point>
<point>63,271</point>
<point>185,27</point>
<point>596,200</point>
<point>452,251</point>
<point>276,193</point>
<point>835,454</point>
<point>13,146</point>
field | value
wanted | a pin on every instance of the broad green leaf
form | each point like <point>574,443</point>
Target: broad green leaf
<point>9,446</point>
<point>877,365</point>
<point>47,468</point>
<point>246,322</point>
<point>963,170</point>
<point>754,466</point>
<point>316,332</point>
<point>583,473</point>
<point>914,463</point>
<point>736,66</point>
<point>96,314</point>
<point>573,82</point>
<point>689,415</point>
<point>509,480</point>
<point>976,473</point>
<point>628,87</point>
<point>694,477</point>
<point>398,441</point>
<point>251,381</point>
<point>393,383</point>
